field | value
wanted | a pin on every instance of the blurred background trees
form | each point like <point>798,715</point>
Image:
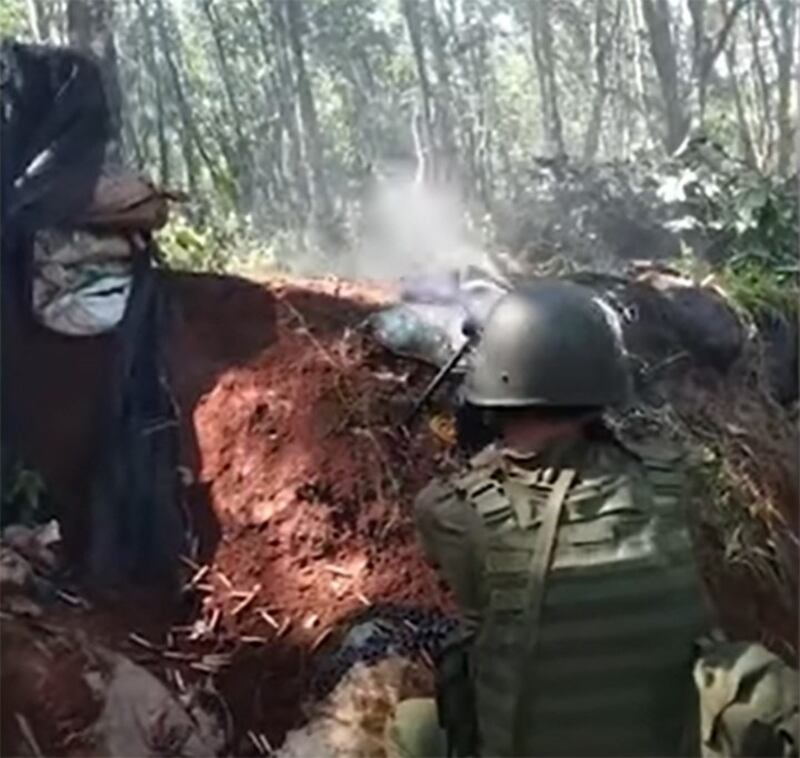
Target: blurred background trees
<point>275,115</point>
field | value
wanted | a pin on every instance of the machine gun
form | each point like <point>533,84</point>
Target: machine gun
<point>471,333</point>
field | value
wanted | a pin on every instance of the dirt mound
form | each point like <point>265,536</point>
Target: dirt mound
<point>301,455</point>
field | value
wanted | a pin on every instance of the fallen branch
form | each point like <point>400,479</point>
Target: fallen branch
<point>29,736</point>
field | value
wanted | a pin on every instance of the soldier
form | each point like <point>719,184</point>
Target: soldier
<point>570,557</point>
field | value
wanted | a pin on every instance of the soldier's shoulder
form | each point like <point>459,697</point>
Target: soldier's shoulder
<point>653,450</point>
<point>459,483</point>
<point>436,491</point>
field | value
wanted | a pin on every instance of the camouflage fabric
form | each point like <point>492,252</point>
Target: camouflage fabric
<point>414,732</point>
<point>611,669</point>
<point>748,702</point>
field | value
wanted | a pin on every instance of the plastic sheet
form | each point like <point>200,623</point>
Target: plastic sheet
<point>428,324</point>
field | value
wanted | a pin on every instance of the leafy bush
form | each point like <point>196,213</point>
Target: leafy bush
<point>187,248</point>
<point>752,220</point>
<point>223,245</point>
<point>24,499</point>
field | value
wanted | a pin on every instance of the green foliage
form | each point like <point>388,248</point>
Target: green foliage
<point>188,248</point>
<point>24,498</point>
<point>754,218</point>
<point>757,287</point>
<point>13,19</point>
<point>228,245</point>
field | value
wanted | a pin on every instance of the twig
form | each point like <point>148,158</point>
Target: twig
<point>339,571</point>
<point>239,594</point>
<point>224,579</point>
<point>27,733</point>
<point>268,617</point>
<point>246,601</point>
<point>287,622</point>
<point>363,432</point>
<point>189,562</point>
<point>256,742</point>
<point>216,614</point>
<point>320,639</point>
<point>137,639</point>
<point>265,743</point>
<point>177,655</point>
<point>198,577</point>
<point>650,371</point>
<point>74,600</point>
<point>307,331</point>
<point>320,348</point>
<point>217,659</point>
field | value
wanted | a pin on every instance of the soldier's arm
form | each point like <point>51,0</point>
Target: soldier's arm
<point>451,535</point>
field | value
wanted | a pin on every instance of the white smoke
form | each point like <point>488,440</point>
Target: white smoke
<point>411,229</point>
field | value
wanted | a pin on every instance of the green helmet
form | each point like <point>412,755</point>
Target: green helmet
<point>550,344</point>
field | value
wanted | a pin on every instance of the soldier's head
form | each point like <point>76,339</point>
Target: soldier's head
<point>550,360</point>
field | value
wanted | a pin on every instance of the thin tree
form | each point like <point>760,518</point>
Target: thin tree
<point>321,208</point>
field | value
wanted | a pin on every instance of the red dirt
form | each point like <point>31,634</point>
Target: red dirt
<point>301,455</point>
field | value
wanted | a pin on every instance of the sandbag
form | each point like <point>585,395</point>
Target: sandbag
<point>127,202</point>
<point>82,281</point>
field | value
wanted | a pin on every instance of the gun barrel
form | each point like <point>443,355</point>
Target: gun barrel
<point>438,379</point>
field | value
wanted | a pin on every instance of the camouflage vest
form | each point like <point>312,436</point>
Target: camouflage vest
<point>584,642</point>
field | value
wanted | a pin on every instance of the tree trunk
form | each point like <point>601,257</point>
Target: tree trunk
<point>150,57</point>
<point>243,160</point>
<point>745,137</point>
<point>603,37</point>
<point>783,49</point>
<point>447,152</point>
<point>786,63</point>
<point>763,90</point>
<point>542,39</point>
<point>90,25</point>
<point>706,50</point>
<point>637,32</point>
<point>277,179</point>
<point>283,84</point>
<point>42,17</point>
<point>658,21</point>
<point>321,208</point>
<point>422,123</point>
<point>35,22</point>
<point>538,57</point>
<point>190,133</point>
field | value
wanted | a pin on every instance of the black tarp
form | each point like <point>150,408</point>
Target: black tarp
<point>55,128</point>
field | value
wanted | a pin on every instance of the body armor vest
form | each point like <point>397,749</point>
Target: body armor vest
<point>587,649</point>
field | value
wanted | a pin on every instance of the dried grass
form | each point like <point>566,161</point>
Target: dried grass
<point>744,452</point>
